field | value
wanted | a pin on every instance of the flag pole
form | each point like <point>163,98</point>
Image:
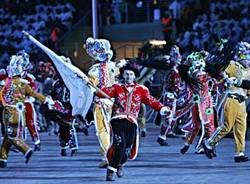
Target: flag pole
<point>94,19</point>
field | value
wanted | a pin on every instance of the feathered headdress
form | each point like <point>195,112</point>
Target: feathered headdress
<point>15,67</point>
<point>25,61</point>
<point>219,61</point>
<point>99,49</point>
<point>193,64</point>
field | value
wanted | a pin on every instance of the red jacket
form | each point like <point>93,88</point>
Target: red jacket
<point>130,101</point>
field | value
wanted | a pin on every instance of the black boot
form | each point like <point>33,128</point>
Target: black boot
<point>143,133</point>
<point>28,156</point>
<point>209,152</point>
<point>184,149</point>
<point>241,158</point>
<point>214,152</point>
<point>120,171</point>
<point>162,142</point>
<point>37,147</point>
<point>73,152</point>
<point>110,175</point>
<point>85,131</point>
<point>3,164</point>
<point>63,152</point>
<point>73,147</point>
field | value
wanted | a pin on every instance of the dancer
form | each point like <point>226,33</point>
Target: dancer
<point>202,110</point>
<point>128,97</point>
<point>234,105</point>
<point>102,74</point>
<point>12,97</point>
<point>177,95</point>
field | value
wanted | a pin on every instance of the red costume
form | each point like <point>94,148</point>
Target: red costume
<point>202,110</point>
<point>31,120</point>
<point>128,99</point>
<point>177,96</point>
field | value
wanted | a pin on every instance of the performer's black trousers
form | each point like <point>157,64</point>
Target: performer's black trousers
<point>64,129</point>
<point>124,134</point>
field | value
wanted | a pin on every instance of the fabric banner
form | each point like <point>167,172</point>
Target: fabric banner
<point>81,95</point>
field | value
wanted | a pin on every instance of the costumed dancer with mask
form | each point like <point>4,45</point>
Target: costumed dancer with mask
<point>102,74</point>
<point>64,118</point>
<point>202,110</point>
<point>62,114</point>
<point>176,95</point>
<point>234,104</point>
<point>31,120</point>
<point>12,97</point>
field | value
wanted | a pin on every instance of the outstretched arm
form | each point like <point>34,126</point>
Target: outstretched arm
<point>154,103</point>
<point>29,91</point>
<point>48,100</point>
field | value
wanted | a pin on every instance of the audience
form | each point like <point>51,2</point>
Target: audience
<point>225,19</point>
<point>39,18</point>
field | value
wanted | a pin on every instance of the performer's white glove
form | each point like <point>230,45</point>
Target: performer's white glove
<point>232,81</point>
<point>165,111</point>
<point>2,71</point>
<point>50,102</point>
<point>2,82</point>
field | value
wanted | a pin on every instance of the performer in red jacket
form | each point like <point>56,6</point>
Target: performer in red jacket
<point>128,97</point>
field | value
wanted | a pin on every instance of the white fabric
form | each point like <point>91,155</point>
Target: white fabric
<point>81,95</point>
<point>50,102</point>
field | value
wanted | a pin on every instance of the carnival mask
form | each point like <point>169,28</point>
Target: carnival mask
<point>99,49</point>
<point>197,64</point>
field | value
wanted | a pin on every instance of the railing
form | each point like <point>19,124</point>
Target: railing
<point>121,12</point>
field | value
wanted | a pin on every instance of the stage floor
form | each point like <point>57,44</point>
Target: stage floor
<point>154,164</point>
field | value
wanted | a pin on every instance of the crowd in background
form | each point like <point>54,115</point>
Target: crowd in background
<point>224,19</point>
<point>45,20</point>
<point>193,24</point>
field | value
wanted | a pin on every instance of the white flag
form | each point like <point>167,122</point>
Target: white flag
<point>81,95</point>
